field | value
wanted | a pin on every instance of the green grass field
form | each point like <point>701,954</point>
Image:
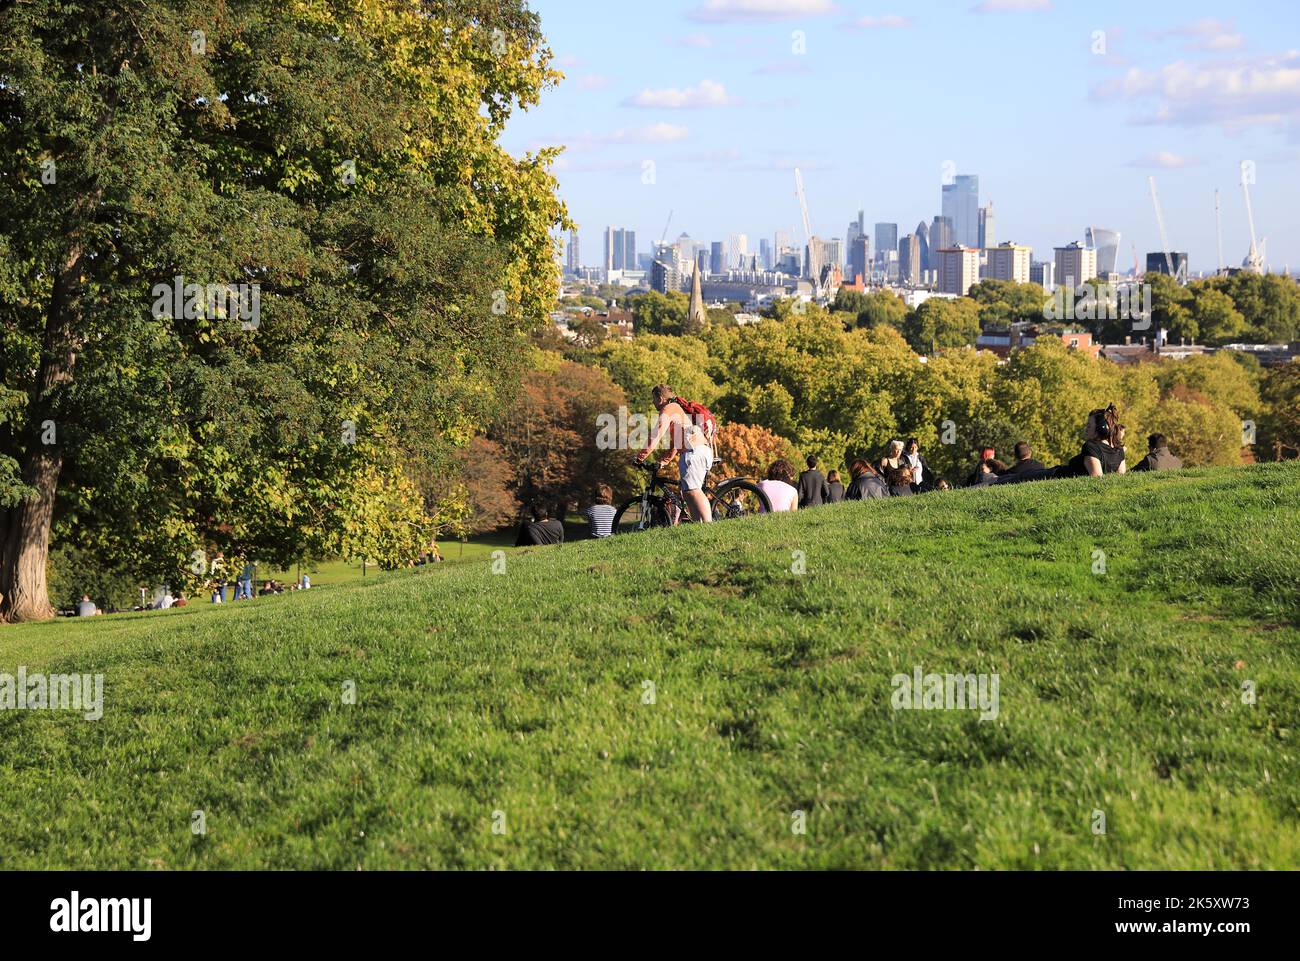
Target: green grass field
<point>518,700</point>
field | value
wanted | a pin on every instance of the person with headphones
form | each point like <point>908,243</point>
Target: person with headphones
<point>1103,451</point>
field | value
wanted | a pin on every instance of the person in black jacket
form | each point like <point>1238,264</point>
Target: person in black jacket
<point>1024,461</point>
<point>813,488</point>
<point>836,488</point>
<point>867,485</point>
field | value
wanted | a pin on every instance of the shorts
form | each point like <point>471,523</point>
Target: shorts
<point>695,466</point>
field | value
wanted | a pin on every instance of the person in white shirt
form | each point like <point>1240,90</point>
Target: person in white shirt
<point>779,487</point>
<point>921,479</point>
<point>87,607</point>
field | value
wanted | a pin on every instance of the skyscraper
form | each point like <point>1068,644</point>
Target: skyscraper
<point>1106,243</point>
<point>737,248</point>
<point>573,259</point>
<point>941,238</point>
<point>961,206</point>
<point>923,235</point>
<point>860,259</point>
<point>765,253</point>
<point>1043,273</point>
<point>909,260</point>
<point>620,249</point>
<point>718,257</point>
<point>988,228</point>
<point>886,240</point>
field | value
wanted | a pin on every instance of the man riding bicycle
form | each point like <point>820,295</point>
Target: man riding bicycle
<point>691,442</point>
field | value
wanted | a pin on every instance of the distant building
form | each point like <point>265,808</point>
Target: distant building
<point>1157,264</point>
<point>923,235</point>
<point>664,275</point>
<point>717,257</point>
<point>909,260</point>
<point>1003,342</point>
<point>620,249</point>
<point>961,208</point>
<point>1106,243</point>
<point>886,240</point>
<point>737,248</point>
<point>988,228</point>
<point>1075,265</point>
<point>941,238</point>
<point>959,270</point>
<point>860,259</point>
<point>1043,273</point>
<point>765,253</point>
<point>1009,262</point>
<point>573,258</point>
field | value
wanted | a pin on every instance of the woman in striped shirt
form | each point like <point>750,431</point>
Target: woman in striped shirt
<point>600,515</point>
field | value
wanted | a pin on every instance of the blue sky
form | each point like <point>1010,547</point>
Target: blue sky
<point>1063,109</point>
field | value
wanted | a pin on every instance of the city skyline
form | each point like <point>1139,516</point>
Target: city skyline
<point>705,110</point>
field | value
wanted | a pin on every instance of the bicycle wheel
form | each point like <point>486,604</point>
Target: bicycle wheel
<point>737,498</point>
<point>631,519</point>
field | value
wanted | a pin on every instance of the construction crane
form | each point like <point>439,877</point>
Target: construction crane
<point>666,226</point>
<point>814,255</point>
<point>1218,223</point>
<point>1137,269</point>
<point>1160,221</point>
<point>1254,262</point>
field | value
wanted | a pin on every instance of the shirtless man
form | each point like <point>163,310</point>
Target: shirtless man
<point>690,443</point>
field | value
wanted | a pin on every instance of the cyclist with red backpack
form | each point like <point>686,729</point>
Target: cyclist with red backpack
<point>693,431</point>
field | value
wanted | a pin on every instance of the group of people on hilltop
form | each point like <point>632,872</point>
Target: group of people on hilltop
<point>902,472</point>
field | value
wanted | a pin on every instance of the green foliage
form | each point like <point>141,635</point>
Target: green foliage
<point>393,304</point>
<point>656,313</point>
<point>942,323</point>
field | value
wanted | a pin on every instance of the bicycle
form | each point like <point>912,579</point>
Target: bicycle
<point>731,499</point>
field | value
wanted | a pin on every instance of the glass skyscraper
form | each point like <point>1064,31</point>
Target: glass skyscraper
<point>961,206</point>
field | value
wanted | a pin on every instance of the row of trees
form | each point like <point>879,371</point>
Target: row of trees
<point>342,159</point>
<point>805,384</point>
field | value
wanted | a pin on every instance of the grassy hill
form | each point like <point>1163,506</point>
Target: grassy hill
<point>523,693</point>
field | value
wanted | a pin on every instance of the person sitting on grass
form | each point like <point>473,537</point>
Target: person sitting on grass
<point>779,487</point>
<point>1025,462</point>
<point>991,471</point>
<point>1102,452</point>
<point>867,485</point>
<point>901,482</point>
<point>543,531</point>
<point>600,515</point>
<point>942,485</point>
<point>1158,456</point>
<point>834,488</point>
<point>813,490</point>
<point>976,479</point>
<point>893,460</point>
<point>922,479</point>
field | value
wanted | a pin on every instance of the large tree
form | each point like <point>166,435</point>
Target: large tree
<point>339,158</point>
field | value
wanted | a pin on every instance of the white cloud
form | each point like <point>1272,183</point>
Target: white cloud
<point>891,21</point>
<point>1207,34</point>
<point>1264,91</point>
<point>654,133</point>
<point>759,11</point>
<point>1163,160</point>
<point>1012,6</point>
<point>708,93</point>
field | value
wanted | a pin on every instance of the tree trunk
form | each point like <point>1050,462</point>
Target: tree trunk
<point>25,547</point>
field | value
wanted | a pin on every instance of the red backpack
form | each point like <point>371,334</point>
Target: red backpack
<point>701,417</point>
